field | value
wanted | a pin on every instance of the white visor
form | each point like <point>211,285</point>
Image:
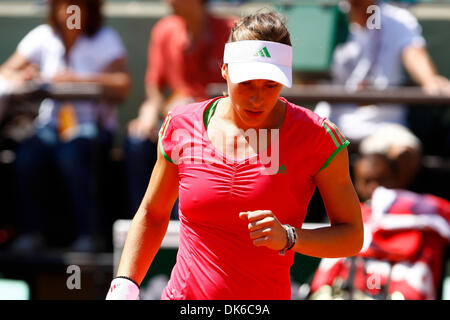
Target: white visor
<point>256,59</point>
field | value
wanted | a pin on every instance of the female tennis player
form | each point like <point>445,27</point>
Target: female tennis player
<point>240,220</point>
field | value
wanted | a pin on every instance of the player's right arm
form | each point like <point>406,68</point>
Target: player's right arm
<point>150,222</point>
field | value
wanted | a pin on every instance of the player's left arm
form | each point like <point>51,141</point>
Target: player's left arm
<point>343,238</point>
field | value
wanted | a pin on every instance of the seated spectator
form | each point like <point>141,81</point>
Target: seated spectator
<point>405,235</point>
<point>68,134</point>
<point>184,56</point>
<point>375,57</point>
<point>370,172</point>
<point>405,150</point>
<point>401,146</point>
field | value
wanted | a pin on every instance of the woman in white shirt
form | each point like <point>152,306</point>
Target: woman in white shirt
<point>68,133</point>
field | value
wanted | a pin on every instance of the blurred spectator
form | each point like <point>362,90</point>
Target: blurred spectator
<point>185,55</point>
<point>399,145</point>
<point>413,171</point>
<point>372,171</point>
<point>4,89</point>
<point>69,134</point>
<point>375,53</point>
<point>405,234</point>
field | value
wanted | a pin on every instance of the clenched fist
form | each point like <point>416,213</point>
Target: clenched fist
<point>265,229</point>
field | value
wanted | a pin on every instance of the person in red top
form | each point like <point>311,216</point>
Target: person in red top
<point>245,167</point>
<point>184,56</point>
<point>405,239</point>
<point>184,64</point>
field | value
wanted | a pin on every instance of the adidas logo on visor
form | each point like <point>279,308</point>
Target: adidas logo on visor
<point>257,59</point>
<point>263,53</point>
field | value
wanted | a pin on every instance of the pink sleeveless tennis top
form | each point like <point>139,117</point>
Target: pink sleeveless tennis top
<point>216,258</point>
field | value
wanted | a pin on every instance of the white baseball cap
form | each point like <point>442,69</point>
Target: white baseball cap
<point>257,59</point>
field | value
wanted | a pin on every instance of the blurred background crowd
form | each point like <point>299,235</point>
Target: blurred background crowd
<point>84,91</point>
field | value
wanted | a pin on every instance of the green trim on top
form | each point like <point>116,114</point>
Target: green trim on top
<point>166,124</point>
<point>162,148</point>
<point>206,119</point>
<point>342,146</point>
<point>336,129</point>
<point>327,128</point>
<point>210,112</point>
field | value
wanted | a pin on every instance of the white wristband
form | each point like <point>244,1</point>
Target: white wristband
<point>123,289</point>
